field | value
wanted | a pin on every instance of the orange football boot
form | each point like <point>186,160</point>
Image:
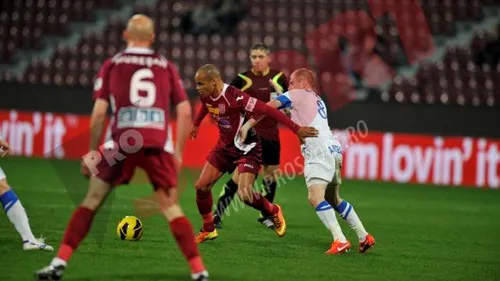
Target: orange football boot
<point>338,247</point>
<point>279,222</point>
<point>367,243</point>
<point>203,236</point>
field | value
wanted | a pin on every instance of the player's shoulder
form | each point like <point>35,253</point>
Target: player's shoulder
<point>233,94</point>
<point>296,93</point>
<point>232,91</point>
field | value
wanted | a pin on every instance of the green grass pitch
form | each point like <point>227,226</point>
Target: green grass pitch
<point>422,232</point>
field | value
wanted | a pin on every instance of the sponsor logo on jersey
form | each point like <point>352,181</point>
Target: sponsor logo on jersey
<point>251,104</point>
<point>224,125</point>
<point>135,117</point>
<point>222,108</point>
<point>213,110</point>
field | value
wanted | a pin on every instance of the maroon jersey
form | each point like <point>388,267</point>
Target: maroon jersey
<point>140,87</point>
<point>258,86</point>
<point>229,111</point>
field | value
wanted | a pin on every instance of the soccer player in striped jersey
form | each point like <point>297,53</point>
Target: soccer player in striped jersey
<point>323,160</point>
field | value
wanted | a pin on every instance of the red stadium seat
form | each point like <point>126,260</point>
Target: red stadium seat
<point>285,26</point>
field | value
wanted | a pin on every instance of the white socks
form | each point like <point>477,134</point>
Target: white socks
<point>326,214</point>
<point>58,261</point>
<point>17,215</point>
<point>346,211</point>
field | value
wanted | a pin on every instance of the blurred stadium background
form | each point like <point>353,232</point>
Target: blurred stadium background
<point>413,89</point>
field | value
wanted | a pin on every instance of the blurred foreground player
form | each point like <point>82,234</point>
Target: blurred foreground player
<point>229,107</point>
<point>140,86</point>
<point>323,160</point>
<point>262,83</point>
<point>15,210</point>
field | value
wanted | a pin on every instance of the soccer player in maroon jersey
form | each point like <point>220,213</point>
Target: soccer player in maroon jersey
<point>230,107</point>
<point>263,83</point>
<point>140,86</point>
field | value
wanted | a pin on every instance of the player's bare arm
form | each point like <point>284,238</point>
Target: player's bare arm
<point>4,148</point>
<point>184,118</point>
<point>197,121</point>
<point>97,122</point>
<point>270,110</point>
<point>253,121</point>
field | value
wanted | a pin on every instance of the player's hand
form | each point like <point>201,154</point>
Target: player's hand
<point>84,170</point>
<point>276,86</point>
<point>287,112</point>
<point>4,148</point>
<point>194,132</point>
<point>306,132</point>
<point>244,132</point>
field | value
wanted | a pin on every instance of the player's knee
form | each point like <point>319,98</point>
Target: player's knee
<point>94,199</point>
<point>92,202</point>
<point>269,178</point>
<point>315,196</point>
<point>166,198</point>
<point>245,193</point>
<point>270,173</point>
<point>173,212</point>
<point>202,185</point>
<point>4,186</point>
<point>332,195</point>
<point>336,197</point>
<point>313,199</point>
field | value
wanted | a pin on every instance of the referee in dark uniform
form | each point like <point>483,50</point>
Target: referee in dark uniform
<point>256,82</point>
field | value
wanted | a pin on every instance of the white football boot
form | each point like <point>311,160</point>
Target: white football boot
<point>38,244</point>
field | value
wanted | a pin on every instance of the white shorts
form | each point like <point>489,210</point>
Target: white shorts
<point>322,166</point>
<point>2,174</point>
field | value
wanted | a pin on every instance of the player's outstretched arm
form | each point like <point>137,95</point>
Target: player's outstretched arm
<point>184,119</point>
<point>253,121</point>
<point>259,107</point>
<point>197,121</point>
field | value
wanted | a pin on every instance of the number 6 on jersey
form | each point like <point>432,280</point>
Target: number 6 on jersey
<point>138,83</point>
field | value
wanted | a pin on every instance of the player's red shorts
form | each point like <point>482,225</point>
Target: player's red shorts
<point>227,158</point>
<point>160,166</point>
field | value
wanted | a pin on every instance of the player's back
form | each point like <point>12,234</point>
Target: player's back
<point>140,86</point>
<point>308,109</point>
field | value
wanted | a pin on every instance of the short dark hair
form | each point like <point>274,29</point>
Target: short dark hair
<point>260,46</point>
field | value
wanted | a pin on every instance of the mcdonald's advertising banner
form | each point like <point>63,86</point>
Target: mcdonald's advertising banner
<point>380,156</point>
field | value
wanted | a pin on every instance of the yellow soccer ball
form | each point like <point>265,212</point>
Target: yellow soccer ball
<point>130,229</point>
